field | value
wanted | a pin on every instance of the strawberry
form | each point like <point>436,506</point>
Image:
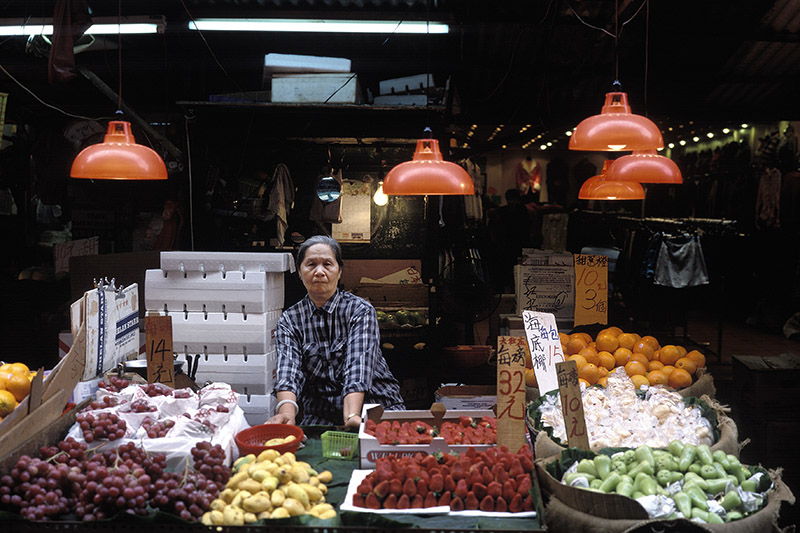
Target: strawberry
<point>480,490</point>
<point>395,487</point>
<point>372,501</point>
<point>471,452</point>
<point>422,488</point>
<point>524,486</point>
<point>449,483</point>
<point>390,502</point>
<point>472,503</point>
<point>444,499</point>
<point>365,487</point>
<point>487,476</point>
<point>417,502</point>
<point>494,489</point>
<point>437,483</point>
<point>458,471</point>
<point>500,505</point>
<point>474,477</point>
<point>409,488</point>
<point>500,474</point>
<point>527,464</point>
<point>445,470</point>
<point>381,489</point>
<point>456,504</point>
<point>403,502</point>
<point>487,504</point>
<point>429,462</point>
<point>384,475</point>
<point>430,500</point>
<point>358,500</point>
<point>515,505</point>
<point>461,489</point>
<point>516,468</point>
<point>527,503</point>
<point>508,491</point>
<point>466,421</point>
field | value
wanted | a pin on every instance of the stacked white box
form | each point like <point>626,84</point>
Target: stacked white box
<point>224,308</point>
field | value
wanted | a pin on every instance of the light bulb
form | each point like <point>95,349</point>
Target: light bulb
<point>380,198</point>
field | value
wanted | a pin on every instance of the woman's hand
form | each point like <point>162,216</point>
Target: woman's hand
<point>353,422</point>
<point>282,418</point>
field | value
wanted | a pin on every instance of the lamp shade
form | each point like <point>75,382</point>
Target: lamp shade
<point>615,129</point>
<point>118,157</point>
<point>601,188</point>
<point>428,173</point>
<point>645,167</point>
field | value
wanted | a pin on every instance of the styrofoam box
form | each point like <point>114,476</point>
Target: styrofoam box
<point>301,63</point>
<point>316,88</point>
<point>233,333</point>
<point>405,84</point>
<point>370,450</point>
<point>235,292</point>
<point>257,407</point>
<point>227,262</point>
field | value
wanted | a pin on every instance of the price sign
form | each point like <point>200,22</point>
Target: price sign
<point>160,363</point>
<point>572,404</point>
<point>545,347</point>
<point>591,289</point>
<point>511,352</point>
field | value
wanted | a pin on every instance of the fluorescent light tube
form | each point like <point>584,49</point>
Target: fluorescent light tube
<point>319,26</point>
<point>101,26</point>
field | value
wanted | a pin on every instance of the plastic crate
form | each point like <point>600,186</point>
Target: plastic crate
<point>339,445</point>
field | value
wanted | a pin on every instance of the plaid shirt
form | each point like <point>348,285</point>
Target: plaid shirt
<point>328,352</point>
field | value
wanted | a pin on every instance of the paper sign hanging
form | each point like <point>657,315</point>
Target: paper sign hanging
<point>545,282</point>
<point>545,347</point>
<point>591,289</point>
<point>511,429</point>
<point>160,362</point>
<point>572,404</point>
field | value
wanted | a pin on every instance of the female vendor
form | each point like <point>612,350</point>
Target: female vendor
<point>329,356</point>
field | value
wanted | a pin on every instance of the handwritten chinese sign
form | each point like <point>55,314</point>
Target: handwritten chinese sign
<point>511,352</point>
<point>591,289</point>
<point>545,347</point>
<point>62,251</point>
<point>572,404</point>
<point>546,283</point>
<point>160,364</point>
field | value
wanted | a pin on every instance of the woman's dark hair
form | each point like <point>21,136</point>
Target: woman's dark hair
<point>319,239</point>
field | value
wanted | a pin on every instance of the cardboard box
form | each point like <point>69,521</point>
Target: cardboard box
<point>407,84</point>
<point>370,450</point>
<point>461,397</point>
<point>316,88</point>
<point>355,269</point>
<point>295,63</point>
<point>386,295</point>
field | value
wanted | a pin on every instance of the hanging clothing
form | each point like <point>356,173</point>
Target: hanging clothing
<point>528,176</point>
<point>681,262</point>
<point>281,200</point>
<point>768,199</point>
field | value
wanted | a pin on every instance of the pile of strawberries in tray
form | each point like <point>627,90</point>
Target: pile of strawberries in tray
<point>467,430</point>
<point>490,480</point>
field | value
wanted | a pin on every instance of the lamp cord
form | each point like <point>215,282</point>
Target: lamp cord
<point>119,55</point>
<point>646,50</point>
<point>616,40</point>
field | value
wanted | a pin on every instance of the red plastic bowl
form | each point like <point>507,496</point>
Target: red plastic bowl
<point>252,439</point>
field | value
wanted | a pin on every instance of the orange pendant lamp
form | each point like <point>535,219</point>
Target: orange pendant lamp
<point>601,188</point>
<point>615,129</point>
<point>118,157</point>
<point>428,173</point>
<point>645,166</point>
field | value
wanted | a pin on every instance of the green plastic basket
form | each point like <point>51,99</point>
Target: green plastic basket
<point>339,445</point>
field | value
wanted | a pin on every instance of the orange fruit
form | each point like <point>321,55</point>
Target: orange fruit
<point>686,364</point>
<point>19,386</point>
<point>698,358</point>
<point>590,354</point>
<point>579,360</point>
<point>669,354</point>
<point>621,356</point>
<point>635,368</point>
<point>656,377</point>
<point>639,380</point>
<point>641,358</point>
<point>655,365</point>
<point>667,369</point>
<point>602,381</point>
<point>614,330</point>
<point>581,335</point>
<point>607,343</point>
<point>603,371</point>
<point>581,380</point>
<point>5,368</point>
<point>530,378</point>
<point>679,379</point>
<point>606,360</point>
<point>645,348</point>
<point>656,355</point>
<point>626,340</point>
<point>589,372</point>
<point>20,369</point>
<point>563,337</point>
<point>575,345</point>
<point>652,341</point>
<point>7,402</point>
<point>681,349</point>
<point>564,349</point>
